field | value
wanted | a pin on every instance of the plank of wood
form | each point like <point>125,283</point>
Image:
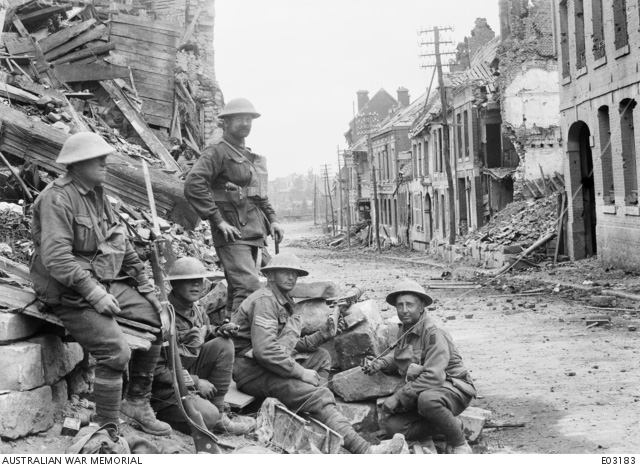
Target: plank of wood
<point>153,79</point>
<point>154,93</point>
<point>152,50</point>
<point>17,94</point>
<point>116,57</point>
<point>236,399</point>
<point>14,268</point>
<point>19,46</point>
<point>146,23</point>
<point>43,13</point>
<point>136,59</point>
<point>158,121</point>
<point>72,73</point>
<point>139,125</point>
<point>64,35</point>
<point>154,37</point>
<point>82,53</point>
<point>192,26</point>
<point>81,39</point>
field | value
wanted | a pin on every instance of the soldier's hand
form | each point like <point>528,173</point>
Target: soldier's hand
<point>206,389</point>
<point>329,329</point>
<point>165,319</point>
<point>277,233</point>
<point>227,330</point>
<point>153,300</point>
<point>371,365</point>
<point>108,305</point>
<point>311,377</point>
<point>391,404</point>
<point>229,232</point>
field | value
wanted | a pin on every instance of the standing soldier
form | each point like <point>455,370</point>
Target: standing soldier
<point>228,187</point>
<point>87,271</point>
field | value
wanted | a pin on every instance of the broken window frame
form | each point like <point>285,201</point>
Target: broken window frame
<point>621,36</point>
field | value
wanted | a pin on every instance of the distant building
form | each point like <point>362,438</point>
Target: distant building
<point>598,43</point>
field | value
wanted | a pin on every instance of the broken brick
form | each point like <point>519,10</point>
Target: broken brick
<point>355,385</point>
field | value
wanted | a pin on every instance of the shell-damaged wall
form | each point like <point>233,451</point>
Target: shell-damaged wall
<point>528,86</point>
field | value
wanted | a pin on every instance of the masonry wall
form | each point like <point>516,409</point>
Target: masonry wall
<point>597,82</point>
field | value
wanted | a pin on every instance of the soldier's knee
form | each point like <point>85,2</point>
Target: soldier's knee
<point>119,355</point>
<point>323,358</point>
<point>427,402</point>
<point>395,425</point>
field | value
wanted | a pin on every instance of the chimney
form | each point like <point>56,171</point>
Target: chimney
<point>363,99</point>
<point>403,96</point>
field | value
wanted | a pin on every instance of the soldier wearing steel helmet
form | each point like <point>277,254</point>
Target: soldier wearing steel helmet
<point>228,187</point>
<point>206,353</point>
<point>267,345</point>
<point>86,270</point>
<point>438,386</point>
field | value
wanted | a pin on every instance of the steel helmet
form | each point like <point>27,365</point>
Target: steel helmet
<point>188,268</point>
<point>285,261</point>
<point>409,286</point>
<point>83,146</point>
<point>239,106</point>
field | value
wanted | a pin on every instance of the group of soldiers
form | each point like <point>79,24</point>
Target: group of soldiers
<point>87,272</point>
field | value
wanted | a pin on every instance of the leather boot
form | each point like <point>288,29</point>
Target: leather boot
<point>236,426</point>
<point>394,445</point>
<point>140,412</point>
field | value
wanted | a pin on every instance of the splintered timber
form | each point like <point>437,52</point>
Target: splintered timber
<point>71,460</point>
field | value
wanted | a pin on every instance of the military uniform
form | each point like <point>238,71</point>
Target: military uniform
<point>202,356</point>
<point>438,386</point>
<point>266,348</point>
<point>81,254</point>
<point>247,209</point>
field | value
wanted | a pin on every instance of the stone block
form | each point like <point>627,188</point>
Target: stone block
<point>23,413</point>
<point>387,333</point>
<point>58,358</point>
<point>316,289</point>
<point>21,365</point>
<point>603,301</point>
<point>59,395</point>
<point>362,416</point>
<point>511,249</point>
<point>354,345</point>
<point>363,311</point>
<point>355,385</point>
<point>473,420</point>
<point>14,327</point>
<point>314,314</point>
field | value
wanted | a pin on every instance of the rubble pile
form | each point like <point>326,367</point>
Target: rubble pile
<point>15,237</point>
<point>521,222</point>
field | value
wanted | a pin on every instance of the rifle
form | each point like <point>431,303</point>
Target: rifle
<point>205,441</point>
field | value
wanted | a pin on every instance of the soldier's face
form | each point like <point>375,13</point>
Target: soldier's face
<point>409,308</point>
<point>285,279</point>
<point>92,172</point>
<point>239,126</point>
<point>187,291</point>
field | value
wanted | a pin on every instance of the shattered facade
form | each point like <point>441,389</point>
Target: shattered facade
<point>598,106</point>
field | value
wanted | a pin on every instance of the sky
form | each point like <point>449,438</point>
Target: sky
<point>301,62</point>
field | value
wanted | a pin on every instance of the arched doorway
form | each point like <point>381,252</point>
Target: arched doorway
<point>583,200</point>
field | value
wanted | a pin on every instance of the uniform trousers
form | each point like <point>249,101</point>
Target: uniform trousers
<point>240,271</point>
<point>435,413</point>
<point>214,363</point>
<point>299,396</point>
<point>101,336</point>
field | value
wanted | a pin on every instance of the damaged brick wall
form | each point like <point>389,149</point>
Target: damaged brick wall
<point>528,88</point>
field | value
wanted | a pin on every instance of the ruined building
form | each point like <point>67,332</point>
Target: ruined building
<point>599,76</point>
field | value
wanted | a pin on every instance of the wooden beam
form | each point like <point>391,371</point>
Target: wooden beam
<point>140,126</point>
<point>43,13</point>
<point>14,268</point>
<point>72,73</point>
<point>151,50</point>
<point>154,37</point>
<point>124,59</point>
<point>81,39</point>
<point>64,35</point>
<point>192,26</point>
<point>88,52</point>
<point>19,46</point>
<point>17,94</point>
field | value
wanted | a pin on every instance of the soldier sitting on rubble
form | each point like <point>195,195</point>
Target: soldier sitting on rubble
<point>266,347</point>
<point>438,386</point>
<point>206,353</point>
<point>86,270</point>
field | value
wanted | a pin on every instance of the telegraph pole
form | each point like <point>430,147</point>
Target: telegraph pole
<point>445,125</point>
<point>344,154</point>
<point>315,201</point>
<point>340,190</point>
<point>328,188</point>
